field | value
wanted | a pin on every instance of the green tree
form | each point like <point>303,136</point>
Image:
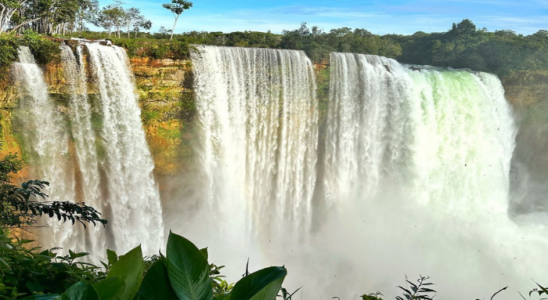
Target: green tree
<point>465,27</point>
<point>134,19</point>
<point>7,9</point>
<point>112,15</point>
<point>177,7</point>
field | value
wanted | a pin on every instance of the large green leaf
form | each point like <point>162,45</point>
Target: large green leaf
<point>43,297</point>
<point>156,285</point>
<point>130,268</point>
<point>261,285</point>
<point>188,269</point>
<point>204,252</point>
<point>112,257</point>
<point>80,291</point>
<point>111,288</point>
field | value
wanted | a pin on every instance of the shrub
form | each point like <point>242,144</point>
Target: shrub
<point>184,273</point>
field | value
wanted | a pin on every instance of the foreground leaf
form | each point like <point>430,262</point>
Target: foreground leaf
<point>111,288</point>
<point>204,252</point>
<point>130,268</point>
<point>156,285</point>
<point>80,291</point>
<point>43,297</point>
<point>261,285</point>
<point>188,269</point>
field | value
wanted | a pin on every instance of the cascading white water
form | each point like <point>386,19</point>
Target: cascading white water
<point>417,169</point>
<point>258,114</point>
<point>131,197</point>
<point>45,141</point>
<point>84,138</point>
<point>114,166</point>
<point>443,134</point>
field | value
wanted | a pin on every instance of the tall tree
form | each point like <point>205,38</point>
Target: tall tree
<point>177,7</point>
<point>112,16</point>
<point>134,19</point>
<point>7,9</point>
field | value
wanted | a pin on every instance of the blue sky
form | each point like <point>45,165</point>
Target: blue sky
<point>380,17</point>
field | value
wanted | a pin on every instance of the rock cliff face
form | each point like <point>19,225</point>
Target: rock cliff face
<point>167,104</point>
<point>526,88</point>
<point>528,92</point>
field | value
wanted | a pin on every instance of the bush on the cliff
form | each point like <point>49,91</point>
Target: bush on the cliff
<point>154,48</point>
<point>8,53</point>
<point>44,49</point>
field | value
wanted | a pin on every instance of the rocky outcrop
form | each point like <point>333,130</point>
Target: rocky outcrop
<point>167,104</point>
<point>526,88</point>
<point>528,93</point>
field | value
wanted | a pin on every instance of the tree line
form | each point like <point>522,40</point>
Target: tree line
<point>67,17</point>
<point>462,46</point>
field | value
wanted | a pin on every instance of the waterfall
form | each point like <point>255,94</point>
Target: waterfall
<point>112,165</point>
<point>258,117</point>
<point>80,112</point>
<point>436,133</point>
<point>417,165</point>
<point>45,142</point>
<point>131,198</point>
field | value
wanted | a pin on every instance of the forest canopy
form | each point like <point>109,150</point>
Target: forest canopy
<point>463,45</point>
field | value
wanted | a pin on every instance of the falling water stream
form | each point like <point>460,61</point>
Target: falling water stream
<point>45,140</point>
<point>259,118</point>
<point>132,196</point>
<point>114,166</point>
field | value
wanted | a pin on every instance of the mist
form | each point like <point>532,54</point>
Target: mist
<point>412,177</point>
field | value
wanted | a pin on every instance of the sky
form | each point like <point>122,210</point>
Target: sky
<point>379,17</point>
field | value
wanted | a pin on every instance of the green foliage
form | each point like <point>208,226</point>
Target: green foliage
<point>80,291</point>
<point>540,290</point>
<point>287,295</point>
<point>112,287</point>
<point>25,271</point>
<point>20,206</point>
<point>154,48</point>
<point>464,46</point>
<point>28,274</point>
<point>263,284</point>
<point>418,290</point>
<point>44,50</point>
<point>156,284</point>
<point>188,269</point>
<point>183,274</point>
<point>130,269</point>
<point>318,44</point>
<point>8,52</point>
<point>373,296</point>
<point>177,6</point>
